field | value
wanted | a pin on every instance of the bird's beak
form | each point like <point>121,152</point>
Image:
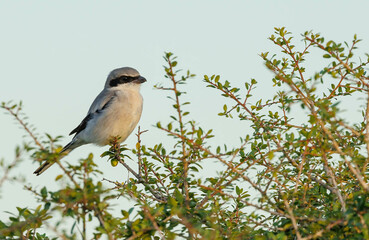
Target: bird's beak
<point>140,80</point>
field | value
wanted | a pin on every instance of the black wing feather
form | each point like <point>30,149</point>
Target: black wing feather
<point>82,125</point>
<point>90,116</point>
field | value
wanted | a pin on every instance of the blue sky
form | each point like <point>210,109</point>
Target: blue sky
<point>55,56</point>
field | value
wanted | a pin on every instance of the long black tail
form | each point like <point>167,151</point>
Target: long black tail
<point>66,150</point>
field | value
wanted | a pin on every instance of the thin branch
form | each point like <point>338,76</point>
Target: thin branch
<point>9,167</point>
<point>327,228</point>
<point>102,222</point>
<point>292,217</point>
<point>160,197</point>
<point>153,221</point>
<point>171,75</point>
<point>364,169</point>
<point>15,115</point>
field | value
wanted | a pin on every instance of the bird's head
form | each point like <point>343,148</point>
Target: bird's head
<point>124,76</point>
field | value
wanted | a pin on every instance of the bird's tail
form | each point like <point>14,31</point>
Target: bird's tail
<point>65,151</point>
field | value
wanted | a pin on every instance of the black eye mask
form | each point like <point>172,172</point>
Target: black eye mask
<point>121,80</point>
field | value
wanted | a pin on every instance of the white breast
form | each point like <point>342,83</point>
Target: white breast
<point>119,119</point>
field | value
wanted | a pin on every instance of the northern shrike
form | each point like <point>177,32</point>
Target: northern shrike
<point>114,112</point>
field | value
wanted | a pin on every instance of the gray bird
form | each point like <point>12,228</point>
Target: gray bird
<point>114,112</point>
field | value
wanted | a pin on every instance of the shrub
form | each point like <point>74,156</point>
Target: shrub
<point>300,173</point>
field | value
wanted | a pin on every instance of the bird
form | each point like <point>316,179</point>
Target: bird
<point>115,112</point>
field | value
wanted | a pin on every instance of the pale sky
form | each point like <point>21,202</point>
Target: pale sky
<point>55,56</point>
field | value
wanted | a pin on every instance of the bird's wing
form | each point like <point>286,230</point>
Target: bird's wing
<point>101,99</point>
<point>101,102</point>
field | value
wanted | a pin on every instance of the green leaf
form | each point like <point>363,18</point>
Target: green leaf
<point>58,177</point>
<point>44,192</point>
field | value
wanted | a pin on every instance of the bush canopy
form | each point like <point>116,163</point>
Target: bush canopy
<point>300,170</point>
